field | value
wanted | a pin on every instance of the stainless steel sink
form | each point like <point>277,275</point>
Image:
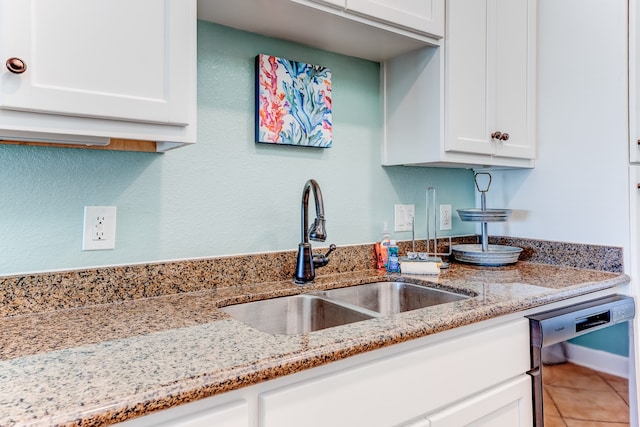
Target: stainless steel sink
<point>389,298</point>
<point>299,314</point>
<point>295,314</point>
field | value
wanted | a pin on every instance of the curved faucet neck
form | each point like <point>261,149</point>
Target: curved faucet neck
<point>305,265</point>
<point>319,222</point>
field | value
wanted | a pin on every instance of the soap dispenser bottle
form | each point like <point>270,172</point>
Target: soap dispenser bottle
<point>382,248</point>
<point>393,262</point>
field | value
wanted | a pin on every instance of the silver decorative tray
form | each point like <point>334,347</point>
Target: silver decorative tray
<point>494,256</point>
<point>484,215</point>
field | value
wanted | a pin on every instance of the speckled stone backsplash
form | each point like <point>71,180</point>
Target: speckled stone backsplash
<point>590,257</point>
<point>63,290</point>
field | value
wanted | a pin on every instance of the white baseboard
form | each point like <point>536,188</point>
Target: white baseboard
<point>598,360</point>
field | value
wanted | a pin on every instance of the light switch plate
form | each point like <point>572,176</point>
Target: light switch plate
<point>404,215</point>
<point>99,228</point>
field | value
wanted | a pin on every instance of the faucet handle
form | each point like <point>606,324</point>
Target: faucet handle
<point>322,260</point>
<point>332,248</point>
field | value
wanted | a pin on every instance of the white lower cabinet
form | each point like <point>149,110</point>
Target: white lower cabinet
<point>420,423</point>
<point>451,379</point>
<point>404,387</point>
<point>203,413</point>
<point>508,405</point>
<point>340,4</point>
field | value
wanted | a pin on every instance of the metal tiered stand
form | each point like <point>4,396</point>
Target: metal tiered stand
<point>484,253</point>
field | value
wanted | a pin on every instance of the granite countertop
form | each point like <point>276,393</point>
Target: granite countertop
<point>105,363</point>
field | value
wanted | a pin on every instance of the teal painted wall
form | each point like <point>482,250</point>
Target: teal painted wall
<point>226,194</point>
<point>614,339</point>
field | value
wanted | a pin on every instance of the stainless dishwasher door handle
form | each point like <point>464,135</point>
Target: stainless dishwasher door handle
<point>534,372</point>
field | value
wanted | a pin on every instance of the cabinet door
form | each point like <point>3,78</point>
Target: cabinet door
<point>340,4</point>
<point>197,414</point>
<point>490,84</point>
<point>121,59</point>
<point>469,86</point>
<point>394,390</point>
<point>515,76</point>
<point>508,405</point>
<point>420,423</point>
<point>425,16</point>
<point>634,81</point>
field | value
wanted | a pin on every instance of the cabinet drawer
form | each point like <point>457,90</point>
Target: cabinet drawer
<point>399,388</point>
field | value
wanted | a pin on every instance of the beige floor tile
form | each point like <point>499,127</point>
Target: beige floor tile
<point>578,423</point>
<point>549,405</point>
<point>624,395</point>
<point>573,376</point>
<point>594,405</point>
<point>553,421</point>
<point>606,405</point>
<point>618,383</point>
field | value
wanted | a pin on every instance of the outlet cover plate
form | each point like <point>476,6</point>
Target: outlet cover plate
<point>445,217</point>
<point>99,228</point>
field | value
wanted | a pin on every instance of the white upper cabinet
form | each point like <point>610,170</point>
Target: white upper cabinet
<point>425,16</point>
<point>634,81</point>
<point>376,30</point>
<point>472,102</point>
<point>131,61</point>
<point>490,77</point>
<point>88,58</point>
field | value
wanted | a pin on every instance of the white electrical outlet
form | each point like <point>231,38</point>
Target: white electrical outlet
<point>99,228</point>
<point>445,217</point>
<point>404,215</point>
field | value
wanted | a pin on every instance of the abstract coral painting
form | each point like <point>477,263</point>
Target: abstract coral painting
<point>293,103</point>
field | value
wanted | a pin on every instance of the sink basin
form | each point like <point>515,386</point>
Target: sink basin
<point>389,298</point>
<point>295,314</point>
<point>299,314</point>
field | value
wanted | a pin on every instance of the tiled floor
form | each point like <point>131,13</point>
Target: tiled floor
<point>575,396</point>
